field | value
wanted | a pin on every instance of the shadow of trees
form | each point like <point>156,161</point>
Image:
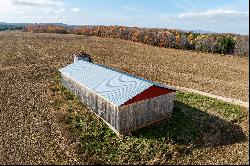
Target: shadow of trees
<point>189,125</point>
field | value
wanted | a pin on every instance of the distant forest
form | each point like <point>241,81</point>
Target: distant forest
<point>221,43</point>
<point>11,26</point>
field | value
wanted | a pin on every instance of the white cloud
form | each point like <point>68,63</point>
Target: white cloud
<point>76,10</point>
<point>214,14</point>
<point>132,8</point>
<point>38,3</point>
<point>185,6</point>
<point>215,20</point>
<point>138,9</point>
<point>36,11</point>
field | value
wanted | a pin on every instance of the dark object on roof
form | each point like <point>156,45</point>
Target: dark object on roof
<point>82,56</point>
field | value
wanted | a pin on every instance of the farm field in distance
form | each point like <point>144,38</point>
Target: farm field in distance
<point>45,124</point>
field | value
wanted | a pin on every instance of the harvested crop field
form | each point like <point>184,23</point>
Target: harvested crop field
<point>221,75</point>
<point>34,131</point>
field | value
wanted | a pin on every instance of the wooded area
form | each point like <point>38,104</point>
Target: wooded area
<point>226,43</point>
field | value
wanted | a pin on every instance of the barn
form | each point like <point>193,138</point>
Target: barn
<point>125,102</point>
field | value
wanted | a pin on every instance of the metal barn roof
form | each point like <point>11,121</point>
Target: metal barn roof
<point>116,87</point>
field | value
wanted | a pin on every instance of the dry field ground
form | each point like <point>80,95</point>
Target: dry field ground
<point>29,132</point>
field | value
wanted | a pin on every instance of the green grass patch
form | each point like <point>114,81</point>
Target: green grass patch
<point>213,106</point>
<point>196,121</point>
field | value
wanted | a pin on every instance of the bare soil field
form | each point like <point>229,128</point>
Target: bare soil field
<point>30,134</point>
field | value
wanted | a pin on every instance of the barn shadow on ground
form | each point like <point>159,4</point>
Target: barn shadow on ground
<point>189,125</point>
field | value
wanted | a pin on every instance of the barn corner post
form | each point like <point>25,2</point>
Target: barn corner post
<point>123,101</point>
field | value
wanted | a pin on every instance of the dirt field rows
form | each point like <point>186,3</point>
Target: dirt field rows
<point>28,134</point>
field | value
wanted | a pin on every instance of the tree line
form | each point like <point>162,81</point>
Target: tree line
<point>226,43</point>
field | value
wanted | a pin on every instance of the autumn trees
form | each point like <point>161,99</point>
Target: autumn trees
<point>168,38</point>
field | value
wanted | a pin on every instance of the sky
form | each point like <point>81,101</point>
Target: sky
<point>229,16</point>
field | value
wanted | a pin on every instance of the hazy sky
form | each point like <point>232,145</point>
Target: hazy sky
<point>209,15</point>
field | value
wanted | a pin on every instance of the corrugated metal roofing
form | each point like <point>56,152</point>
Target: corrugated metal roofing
<point>114,86</point>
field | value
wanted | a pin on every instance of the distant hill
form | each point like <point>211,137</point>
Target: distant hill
<point>202,32</point>
<point>19,26</point>
<point>11,26</point>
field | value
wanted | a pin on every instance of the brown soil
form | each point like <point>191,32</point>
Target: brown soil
<point>28,132</point>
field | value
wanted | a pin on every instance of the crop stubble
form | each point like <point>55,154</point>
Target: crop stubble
<point>28,62</point>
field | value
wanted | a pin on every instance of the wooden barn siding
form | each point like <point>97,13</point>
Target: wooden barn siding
<point>125,118</point>
<point>104,109</point>
<point>143,113</point>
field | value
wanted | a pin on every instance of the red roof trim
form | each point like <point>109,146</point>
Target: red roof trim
<point>151,92</point>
